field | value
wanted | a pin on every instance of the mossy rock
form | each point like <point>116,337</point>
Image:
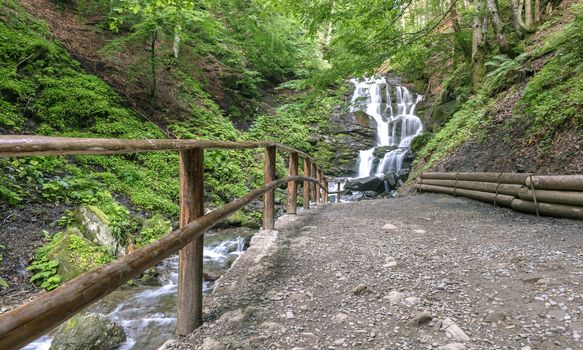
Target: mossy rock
<point>76,254</point>
<point>96,227</point>
<point>91,332</point>
<point>68,267</point>
<point>379,152</point>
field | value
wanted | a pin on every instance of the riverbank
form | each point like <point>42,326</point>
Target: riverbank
<point>422,271</point>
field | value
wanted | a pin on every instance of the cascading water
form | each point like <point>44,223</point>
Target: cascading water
<point>395,131</point>
<point>148,313</point>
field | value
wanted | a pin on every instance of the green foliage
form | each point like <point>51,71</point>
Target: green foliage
<point>86,255</point>
<point>553,98</point>
<point>154,228</point>
<point>464,124</point>
<point>45,274</point>
<point>505,71</point>
<point>45,271</point>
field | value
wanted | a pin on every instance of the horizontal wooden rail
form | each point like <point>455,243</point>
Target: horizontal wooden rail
<point>26,323</point>
<point>29,145</point>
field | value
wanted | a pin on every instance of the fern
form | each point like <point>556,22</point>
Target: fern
<point>505,71</point>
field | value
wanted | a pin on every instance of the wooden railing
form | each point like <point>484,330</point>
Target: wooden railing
<point>26,323</point>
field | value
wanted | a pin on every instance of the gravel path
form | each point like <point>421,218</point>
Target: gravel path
<point>419,272</point>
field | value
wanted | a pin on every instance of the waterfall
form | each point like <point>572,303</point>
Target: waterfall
<point>373,96</point>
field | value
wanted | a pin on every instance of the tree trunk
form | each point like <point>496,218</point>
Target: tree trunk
<point>517,18</point>
<point>457,29</point>
<point>153,61</point>
<point>498,27</point>
<point>480,30</point>
<point>537,16</point>
<point>528,14</point>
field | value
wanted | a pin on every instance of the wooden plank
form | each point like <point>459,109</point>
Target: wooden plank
<point>190,281</point>
<point>32,145</point>
<point>292,186</point>
<point>26,323</point>
<point>307,172</point>
<point>269,196</point>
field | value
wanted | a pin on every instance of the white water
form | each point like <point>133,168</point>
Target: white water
<point>148,314</point>
<point>373,96</point>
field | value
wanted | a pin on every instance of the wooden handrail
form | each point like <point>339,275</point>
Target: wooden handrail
<point>31,145</point>
<point>26,323</point>
<point>29,321</point>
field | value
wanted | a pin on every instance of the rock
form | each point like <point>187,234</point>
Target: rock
<point>96,228</point>
<point>72,263</point>
<point>390,262</point>
<point>212,344</point>
<point>411,300</point>
<point>392,180</point>
<point>289,315</point>
<point>390,228</point>
<point>361,289</point>
<point>149,280</point>
<point>531,278</point>
<point>371,183</point>
<point>394,297</point>
<point>453,331</point>
<point>543,281</point>
<point>342,318</point>
<point>339,341</point>
<point>420,318</point>
<point>452,346</point>
<point>88,332</point>
<point>169,344</point>
<point>494,316</point>
<point>380,151</point>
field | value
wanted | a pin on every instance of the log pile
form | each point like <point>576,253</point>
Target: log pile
<point>551,195</point>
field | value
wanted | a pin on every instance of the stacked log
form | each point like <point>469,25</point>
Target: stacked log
<point>552,195</point>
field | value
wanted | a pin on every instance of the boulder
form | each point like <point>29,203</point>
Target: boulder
<point>96,228</point>
<point>392,180</point>
<point>364,184</point>
<point>379,152</point>
<point>90,332</point>
<point>71,262</point>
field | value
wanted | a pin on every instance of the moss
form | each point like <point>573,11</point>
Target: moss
<point>100,214</point>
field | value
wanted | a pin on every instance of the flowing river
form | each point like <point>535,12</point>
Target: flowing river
<point>148,313</point>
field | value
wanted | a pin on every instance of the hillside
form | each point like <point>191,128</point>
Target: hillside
<point>527,115</point>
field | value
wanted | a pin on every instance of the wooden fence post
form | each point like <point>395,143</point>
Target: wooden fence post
<point>313,185</point>
<point>307,170</point>
<point>326,192</point>
<point>190,281</point>
<point>338,193</point>
<point>318,189</point>
<point>292,186</point>
<point>269,196</point>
